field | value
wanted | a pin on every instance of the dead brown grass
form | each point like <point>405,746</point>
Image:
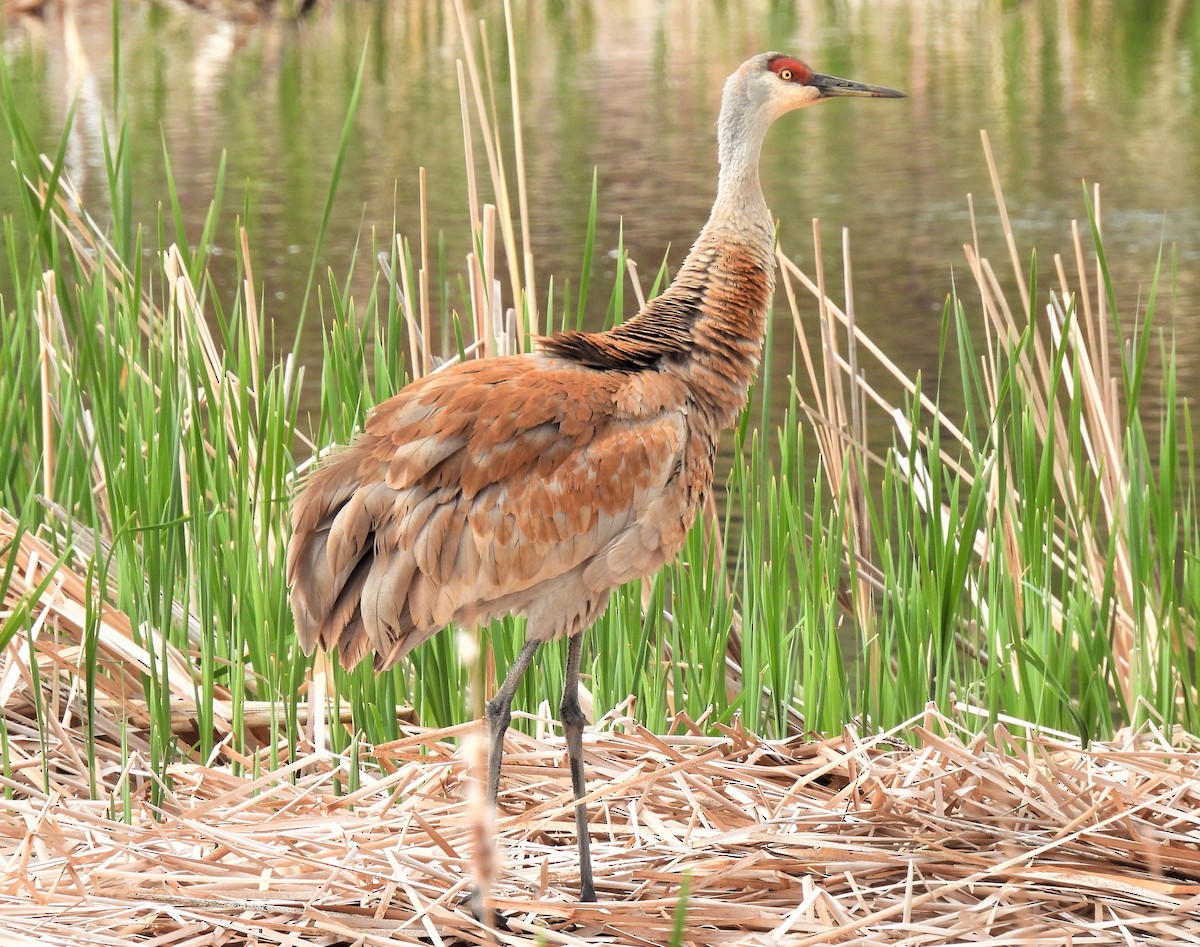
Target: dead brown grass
<point>996,838</point>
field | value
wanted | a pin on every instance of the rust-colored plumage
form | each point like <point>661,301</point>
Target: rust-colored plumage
<point>536,484</point>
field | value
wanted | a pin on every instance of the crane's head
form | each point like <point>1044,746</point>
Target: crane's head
<point>778,83</point>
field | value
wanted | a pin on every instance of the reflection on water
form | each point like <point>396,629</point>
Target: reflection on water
<point>1069,91</point>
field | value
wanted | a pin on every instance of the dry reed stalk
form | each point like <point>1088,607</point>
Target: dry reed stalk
<point>525,301</point>
<point>46,306</point>
<point>250,296</point>
<point>416,343</point>
<point>854,421</point>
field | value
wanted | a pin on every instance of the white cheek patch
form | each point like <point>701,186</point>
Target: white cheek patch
<point>785,96</point>
<point>762,88</point>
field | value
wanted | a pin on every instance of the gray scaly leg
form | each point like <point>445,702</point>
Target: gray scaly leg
<point>573,720</point>
<point>499,714</point>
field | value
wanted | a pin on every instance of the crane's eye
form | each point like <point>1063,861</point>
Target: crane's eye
<point>785,75</point>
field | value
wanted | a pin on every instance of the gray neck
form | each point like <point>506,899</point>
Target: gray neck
<point>741,128</point>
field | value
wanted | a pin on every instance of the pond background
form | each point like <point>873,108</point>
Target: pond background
<point>1103,91</point>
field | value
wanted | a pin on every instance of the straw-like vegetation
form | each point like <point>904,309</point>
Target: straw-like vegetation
<point>172,762</point>
<point>724,838</point>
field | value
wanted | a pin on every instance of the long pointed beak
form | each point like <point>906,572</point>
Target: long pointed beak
<point>832,85</point>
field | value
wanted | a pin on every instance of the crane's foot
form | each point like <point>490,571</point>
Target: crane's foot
<point>489,917</point>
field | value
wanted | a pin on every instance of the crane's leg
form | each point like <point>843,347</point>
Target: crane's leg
<point>499,714</point>
<point>573,720</point>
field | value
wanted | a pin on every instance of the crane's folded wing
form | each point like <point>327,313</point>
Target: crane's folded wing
<point>487,490</point>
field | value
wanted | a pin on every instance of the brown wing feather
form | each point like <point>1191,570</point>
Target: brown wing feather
<point>523,484</point>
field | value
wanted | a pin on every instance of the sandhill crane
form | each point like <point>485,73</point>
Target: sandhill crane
<point>535,484</point>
